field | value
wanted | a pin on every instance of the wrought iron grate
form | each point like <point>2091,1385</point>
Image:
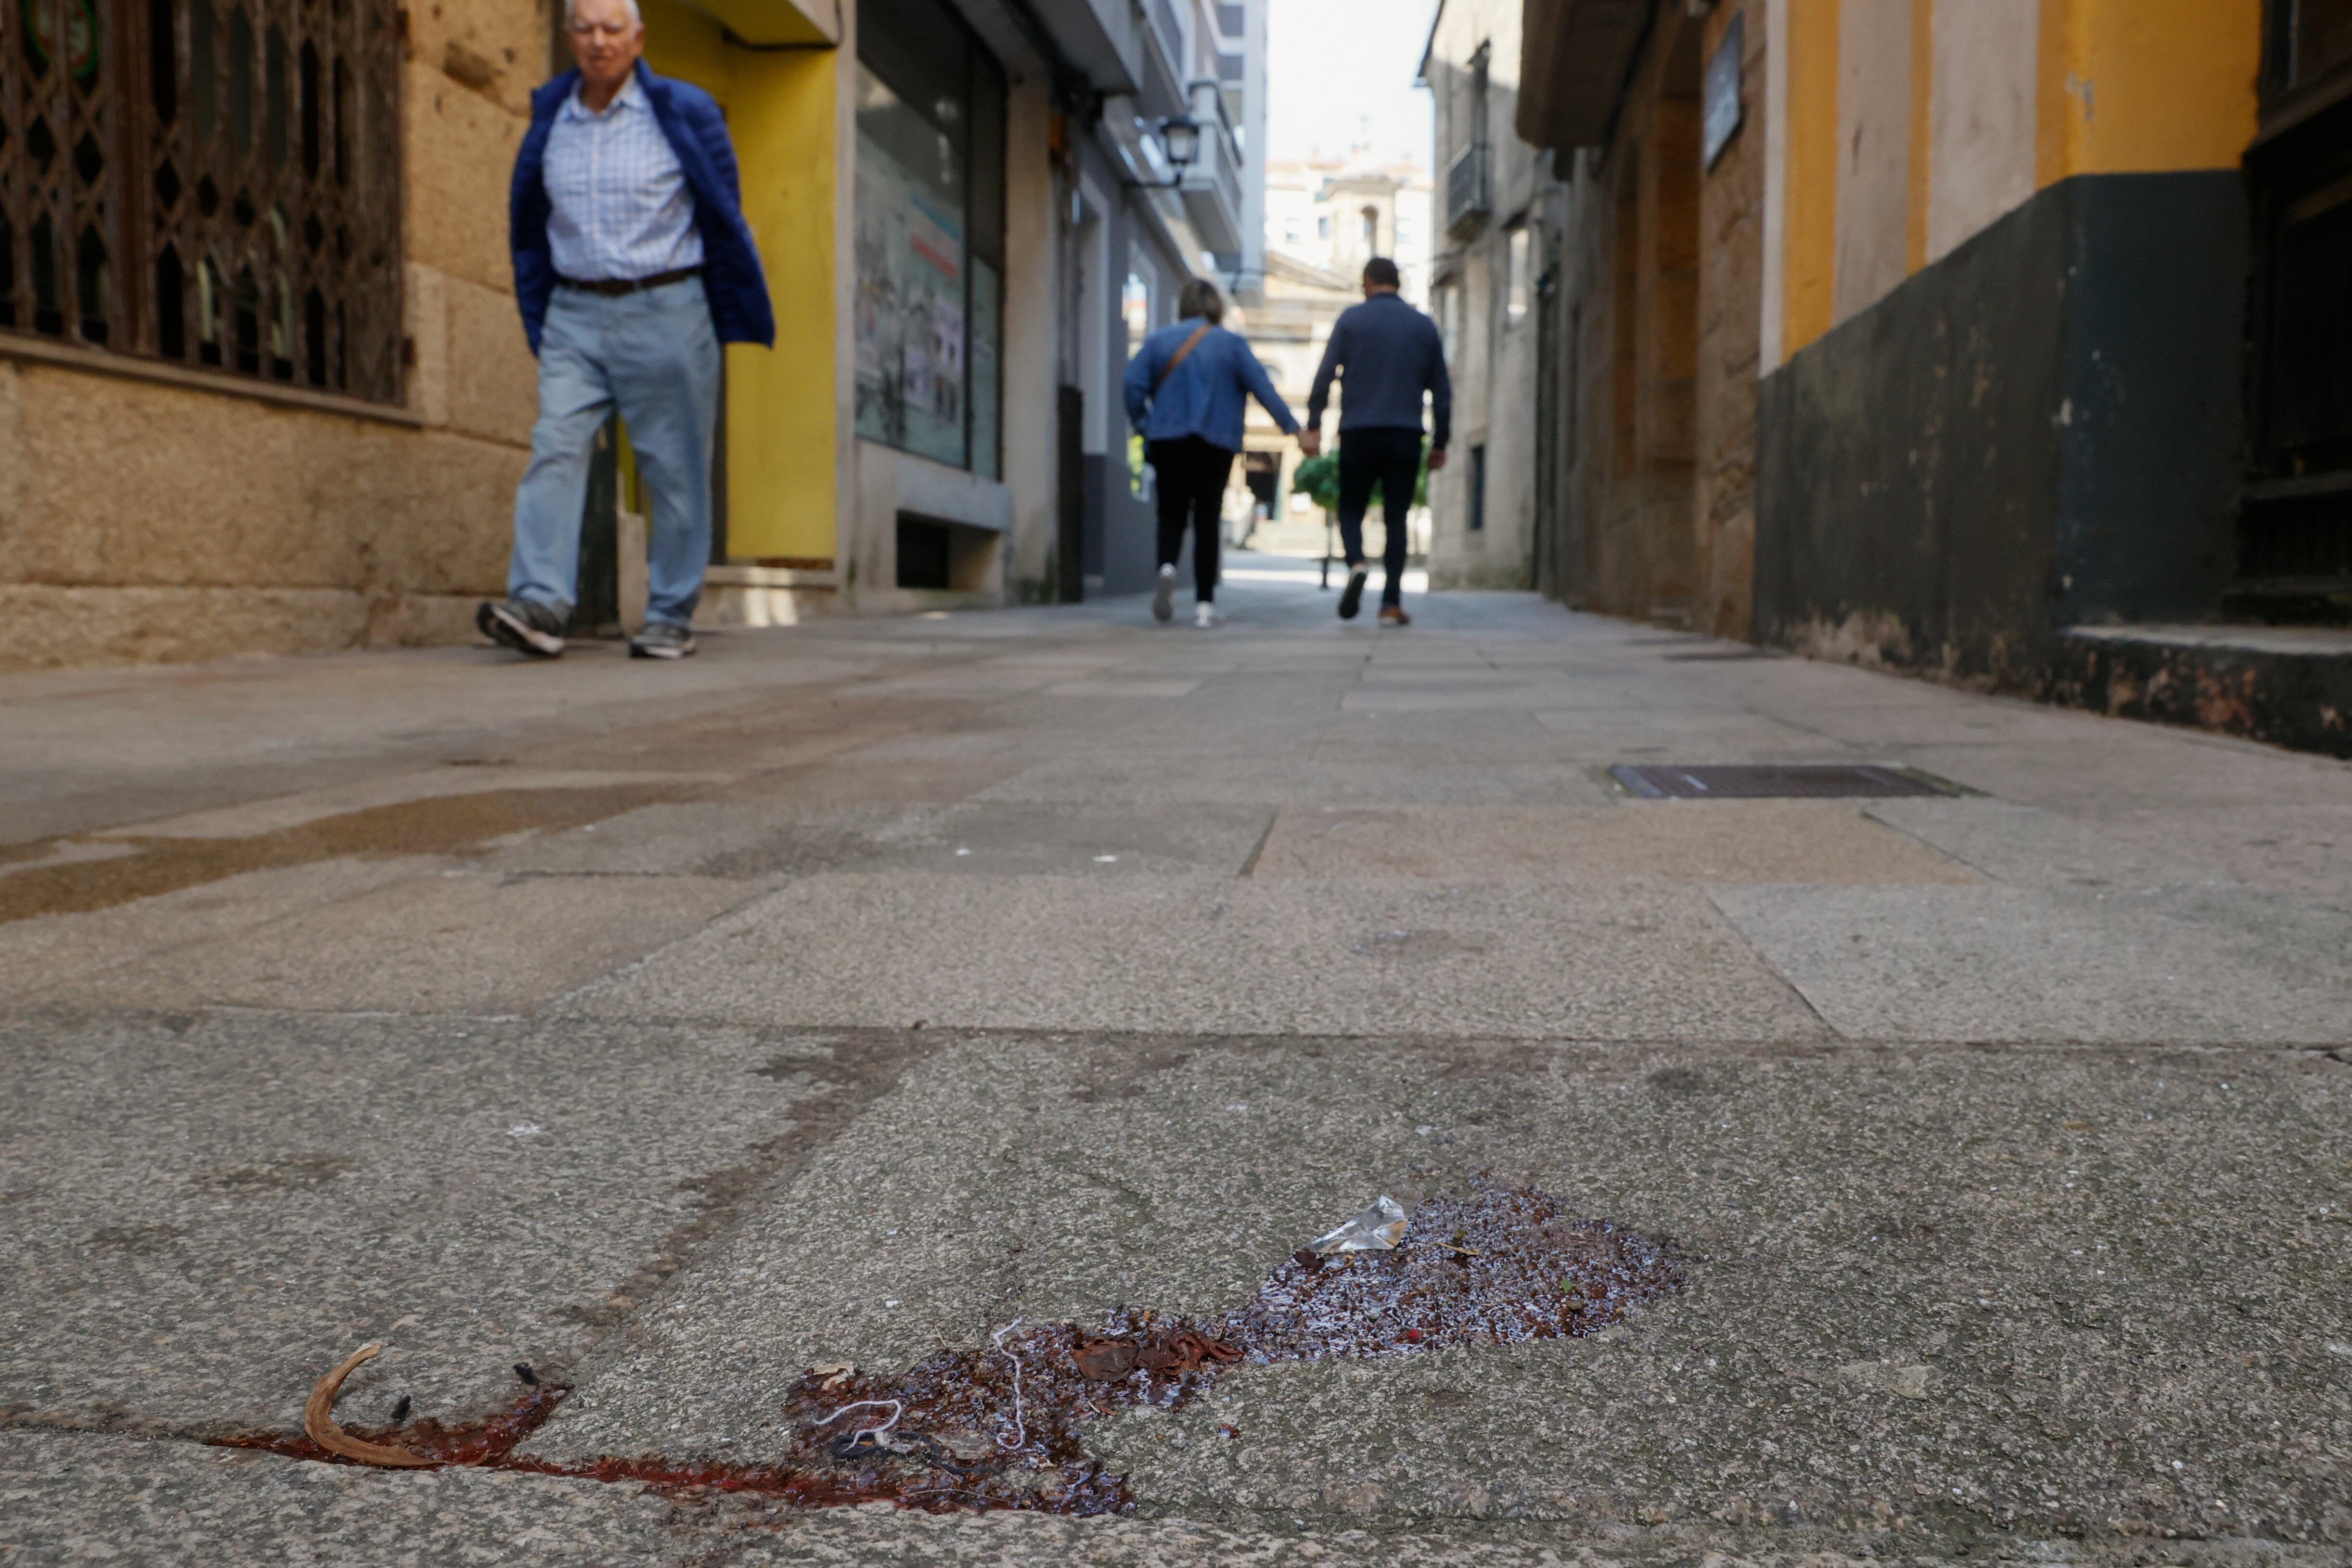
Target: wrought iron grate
<point>1785,781</point>
<point>211,181</point>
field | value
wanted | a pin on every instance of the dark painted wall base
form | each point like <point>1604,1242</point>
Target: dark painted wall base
<point>1121,533</point>
<point>2278,693</point>
<point>2039,430</point>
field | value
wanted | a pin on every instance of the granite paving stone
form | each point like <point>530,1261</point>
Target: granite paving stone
<point>857,988</point>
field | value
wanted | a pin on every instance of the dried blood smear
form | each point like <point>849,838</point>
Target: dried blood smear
<point>1501,1266</point>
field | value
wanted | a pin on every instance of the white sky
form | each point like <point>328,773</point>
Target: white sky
<point>1339,69</point>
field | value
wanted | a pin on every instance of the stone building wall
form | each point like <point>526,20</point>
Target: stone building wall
<point>153,512</point>
<point>1730,293</point>
<point>1493,352</point>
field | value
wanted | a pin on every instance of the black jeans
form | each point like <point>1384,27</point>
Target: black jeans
<point>1392,458</point>
<point>1193,474</point>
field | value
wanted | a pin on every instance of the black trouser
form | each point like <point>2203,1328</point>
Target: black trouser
<point>1390,457</point>
<point>1192,475</point>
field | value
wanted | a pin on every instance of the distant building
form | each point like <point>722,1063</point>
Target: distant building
<point>1334,213</point>
<point>1494,193</point>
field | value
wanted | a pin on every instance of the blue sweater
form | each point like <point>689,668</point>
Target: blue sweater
<point>1207,394</point>
<point>1386,354</point>
<point>689,117</point>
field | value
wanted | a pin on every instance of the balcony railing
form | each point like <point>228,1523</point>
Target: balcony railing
<point>1469,189</point>
<point>1213,185</point>
<point>1172,35</point>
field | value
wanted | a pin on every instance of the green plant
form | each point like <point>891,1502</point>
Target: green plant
<point>1318,479</point>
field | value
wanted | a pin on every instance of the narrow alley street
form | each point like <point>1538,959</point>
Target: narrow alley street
<point>839,997</point>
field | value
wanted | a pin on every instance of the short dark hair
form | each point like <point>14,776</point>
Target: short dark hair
<point>1380,270</point>
<point>1199,297</point>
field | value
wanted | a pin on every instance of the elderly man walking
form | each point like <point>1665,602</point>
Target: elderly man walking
<point>1387,355</point>
<point>633,264</point>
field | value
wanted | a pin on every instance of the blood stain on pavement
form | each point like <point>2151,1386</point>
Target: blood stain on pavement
<point>997,1425</point>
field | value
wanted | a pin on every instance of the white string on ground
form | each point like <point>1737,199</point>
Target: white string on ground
<point>897,1410</point>
<point>1020,1426</point>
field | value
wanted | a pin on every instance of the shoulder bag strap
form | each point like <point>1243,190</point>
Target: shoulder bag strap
<point>1178,357</point>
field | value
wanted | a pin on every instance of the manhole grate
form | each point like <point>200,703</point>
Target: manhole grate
<point>1763,781</point>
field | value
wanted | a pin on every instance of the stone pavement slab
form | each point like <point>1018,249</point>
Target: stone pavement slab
<point>1807,841</point>
<point>1949,1292</point>
<point>203,1211</point>
<point>2191,965</point>
<point>75,1498</point>
<point>1209,954</point>
<point>81,1497</point>
<point>2003,1136</point>
<point>446,939</point>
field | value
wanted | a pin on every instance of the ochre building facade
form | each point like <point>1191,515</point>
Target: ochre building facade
<point>1959,335</point>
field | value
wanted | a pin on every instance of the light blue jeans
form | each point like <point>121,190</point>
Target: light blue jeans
<point>654,356</point>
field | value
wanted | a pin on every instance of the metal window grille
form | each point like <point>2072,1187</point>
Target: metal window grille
<point>1469,189</point>
<point>214,182</point>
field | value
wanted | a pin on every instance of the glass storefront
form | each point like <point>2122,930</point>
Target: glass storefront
<point>929,236</point>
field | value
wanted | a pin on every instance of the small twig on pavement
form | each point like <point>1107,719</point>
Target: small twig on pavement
<point>319,1422</point>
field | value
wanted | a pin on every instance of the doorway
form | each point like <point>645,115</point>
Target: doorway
<point>2294,529</point>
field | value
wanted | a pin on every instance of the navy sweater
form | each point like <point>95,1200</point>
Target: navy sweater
<point>1386,354</point>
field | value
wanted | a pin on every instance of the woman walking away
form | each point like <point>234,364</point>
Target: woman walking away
<point>1185,397</point>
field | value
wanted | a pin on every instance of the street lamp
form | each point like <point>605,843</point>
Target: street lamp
<point>1179,140</point>
<point>1182,138</point>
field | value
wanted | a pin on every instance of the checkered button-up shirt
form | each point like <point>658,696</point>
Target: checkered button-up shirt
<point>619,207</point>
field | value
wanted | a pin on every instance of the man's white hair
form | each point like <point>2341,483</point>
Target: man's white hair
<point>635,16</point>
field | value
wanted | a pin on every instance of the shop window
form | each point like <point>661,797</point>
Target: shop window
<point>215,183</point>
<point>1139,316</point>
<point>929,236</point>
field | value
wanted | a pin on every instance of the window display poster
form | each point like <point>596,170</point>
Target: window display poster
<point>910,326</point>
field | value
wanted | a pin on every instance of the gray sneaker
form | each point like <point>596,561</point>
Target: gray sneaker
<point>661,640</point>
<point>524,625</point>
<point>1163,596</point>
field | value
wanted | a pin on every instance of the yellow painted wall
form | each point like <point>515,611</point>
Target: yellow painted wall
<point>1922,135</point>
<point>2100,87</point>
<point>1808,279</point>
<point>2145,86</point>
<point>781,479</point>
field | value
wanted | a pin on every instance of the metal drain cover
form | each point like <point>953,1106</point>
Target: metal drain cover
<point>1769,782</point>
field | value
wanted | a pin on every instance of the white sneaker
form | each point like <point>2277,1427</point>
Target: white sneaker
<point>1205,615</point>
<point>1163,597</point>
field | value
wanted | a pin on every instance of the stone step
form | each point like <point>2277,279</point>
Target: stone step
<point>2289,685</point>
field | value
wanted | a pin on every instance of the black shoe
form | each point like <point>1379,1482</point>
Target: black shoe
<point>661,640</point>
<point>524,626</point>
<point>1351,598</point>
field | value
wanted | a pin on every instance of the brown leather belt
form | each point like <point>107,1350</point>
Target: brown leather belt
<point>609,285</point>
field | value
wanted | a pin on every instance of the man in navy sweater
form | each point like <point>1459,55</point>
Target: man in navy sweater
<point>1386,355</point>
<point>633,264</point>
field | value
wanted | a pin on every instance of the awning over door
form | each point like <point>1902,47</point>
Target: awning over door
<point>1574,56</point>
<point>807,23</point>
